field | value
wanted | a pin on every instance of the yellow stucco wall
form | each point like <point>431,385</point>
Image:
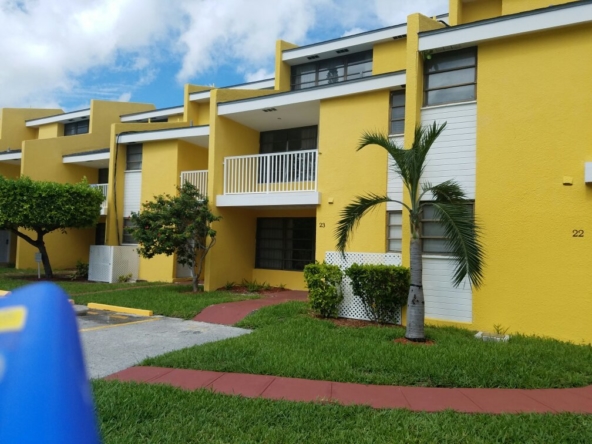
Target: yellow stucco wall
<point>9,170</point>
<point>12,125</point>
<point>283,71</point>
<point>51,131</point>
<point>537,278</point>
<point>345,173</point>
<point>515,6</point>
<point>389,56</point>
<point>481,10</point>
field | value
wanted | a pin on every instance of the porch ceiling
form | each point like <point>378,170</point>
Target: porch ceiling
<point>94,159</point>
<point>280,117</point>
<point>11,157</point>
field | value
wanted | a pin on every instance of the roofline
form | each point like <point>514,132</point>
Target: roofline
<point>505,17</point>
<point>134,134</point>
<point>317,88</point>
<point>168,108</point>
<point>86,153</point>
<point>58,117</point>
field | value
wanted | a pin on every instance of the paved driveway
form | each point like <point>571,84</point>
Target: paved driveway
<point>113,342</point>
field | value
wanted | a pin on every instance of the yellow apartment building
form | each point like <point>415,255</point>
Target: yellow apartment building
<point>277,159</point>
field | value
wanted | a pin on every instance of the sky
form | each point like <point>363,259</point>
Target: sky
<point>63,53</point>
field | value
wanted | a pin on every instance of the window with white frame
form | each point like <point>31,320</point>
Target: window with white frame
<point>450,77</point>
<point>397,112</point>
<point>133,158</point>
<point>395,231</point>
<point>433,236</point>
<point>333,70</point>
<point>127,237</point>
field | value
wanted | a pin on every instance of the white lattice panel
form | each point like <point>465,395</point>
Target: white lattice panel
<point>352,306</point>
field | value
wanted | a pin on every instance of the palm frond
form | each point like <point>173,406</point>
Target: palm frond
<point>397,152</point>
<point>463,236</point>
<point>446,192</point>
<point>351,215</point>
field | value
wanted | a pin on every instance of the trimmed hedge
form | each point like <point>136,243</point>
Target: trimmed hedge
<point>323,282</point>
<point>382,288</point>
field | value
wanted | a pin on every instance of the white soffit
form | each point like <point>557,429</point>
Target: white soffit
<point>164,112</point>
<point>199,96</point>
<point>588,172</point>
<point>373,83</point>
<point>94,160</point>
<point>301,198</point>
<point>354,43</point>
<point>65,117</point>
<point>197,135</point>
<point>13,158</point>
<point>452,38</point>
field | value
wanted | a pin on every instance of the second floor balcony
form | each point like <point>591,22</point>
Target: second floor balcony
<point>276,179</point>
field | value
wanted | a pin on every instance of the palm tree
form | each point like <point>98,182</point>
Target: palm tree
<point>450,207</point>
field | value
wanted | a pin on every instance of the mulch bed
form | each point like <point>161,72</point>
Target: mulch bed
<point>358,323</point>
<point>56,278</point>
<point>406,341</point>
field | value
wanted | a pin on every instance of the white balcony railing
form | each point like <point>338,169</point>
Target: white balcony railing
<point>103,188</point>
<point>199,179</point>
<point>294,171</point>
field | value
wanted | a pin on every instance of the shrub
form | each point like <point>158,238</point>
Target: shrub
<point>81,271</point>
<point>382,288</point>
<point>323,282</point>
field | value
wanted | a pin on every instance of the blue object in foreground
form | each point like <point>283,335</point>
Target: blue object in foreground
<point>45,395</point>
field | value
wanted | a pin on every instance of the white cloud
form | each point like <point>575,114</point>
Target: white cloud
<point>352,31</point>
<point>125,97</point>
<point>50,48</point>
<point>261,74</point>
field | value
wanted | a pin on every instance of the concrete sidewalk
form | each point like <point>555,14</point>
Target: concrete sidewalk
<point>429,399</point>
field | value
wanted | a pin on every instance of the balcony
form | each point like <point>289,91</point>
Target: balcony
<point>103,188</point>
<point>199,179</point>
<point>277,179</point>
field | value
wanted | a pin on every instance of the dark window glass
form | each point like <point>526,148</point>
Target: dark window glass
<point>103,175</point>
<point>433,236</point>
<point>285,243</point>
<point>293,139</point>
<point>451,77</point>
<point>100,234</point>
<point>397,112</point>
<point>78,127</point>
<point>127,238</point>
<point>335,70</point>
<point>134,157</point>
<point>159,119</point>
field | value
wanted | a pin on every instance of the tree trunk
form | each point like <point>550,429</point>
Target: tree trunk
<point>44,257</point>
<point>415,301</point>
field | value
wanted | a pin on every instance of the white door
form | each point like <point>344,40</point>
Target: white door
<point>4,246</point>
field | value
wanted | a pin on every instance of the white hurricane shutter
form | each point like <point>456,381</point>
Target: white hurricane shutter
<point>132,192</point>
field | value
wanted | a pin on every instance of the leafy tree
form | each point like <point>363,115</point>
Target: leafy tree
<point>43,207</point>
<point>180,225</point>
<point>450,208</point>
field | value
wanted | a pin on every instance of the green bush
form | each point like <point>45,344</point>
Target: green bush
<point>323,282</point>
<point>81,271</point>
<point>382,288</point>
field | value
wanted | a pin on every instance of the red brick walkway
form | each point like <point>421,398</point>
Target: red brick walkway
<point>576,400</point>
<point>232,312</point>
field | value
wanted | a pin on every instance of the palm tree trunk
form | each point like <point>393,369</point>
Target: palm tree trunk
<point>415,301</point>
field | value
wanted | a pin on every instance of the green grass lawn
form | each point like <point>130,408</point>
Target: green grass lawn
<point>288,342</point>
<point>130,413</point>
<point>172,300</point>
<point>163,299</point>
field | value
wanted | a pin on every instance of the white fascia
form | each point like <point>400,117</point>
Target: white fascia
<point>300,198</point>
<point>166,134</point>
<point>199,96</point>
<point>85,157</point>
<point>260,84</point>
<point>11,156</point>
<point>313,94</point>
<point>452,38</point>
<point>152,114</point>
<point>354,43</point>
<point>58,118</point>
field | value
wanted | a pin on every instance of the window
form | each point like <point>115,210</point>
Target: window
<point>395,231</point>
<point>451,77</point>
<point>100,234</point>
<point>103,175</point>
<point>432,231</point>
<point>78,127</point>
<point>335,70</point>
<point>127,237</point>
<point>285,243</point>
<point>397,112</point>
<point>134,157</point>
<point>293,139</point>
<point>159,119</point>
